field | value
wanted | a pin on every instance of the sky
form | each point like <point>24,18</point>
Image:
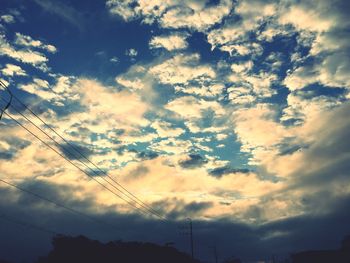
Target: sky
<point>232,113</point>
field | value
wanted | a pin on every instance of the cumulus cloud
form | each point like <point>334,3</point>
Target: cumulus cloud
<point>100,115</point>
<point>209,89</point>
<point>28,56</point>
<point>171,14</point>
<point>170,42</point>
<point>40,88</point>
<point>195,15</point>
<point>221,171</point>
<point>13,70</point>
<point>132,53</point>
<point>192,161</point>
<point>180,69</point>
<point>27,41</point>
<point>328,46</point>
<point>257,130</point>
<point>165,129</point>
<point>301,108</point>
<point>299,151</point>
<point>233,35</point>
<point>317,170</point>
<point>9,19</point>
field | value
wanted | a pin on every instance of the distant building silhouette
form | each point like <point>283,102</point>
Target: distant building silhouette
<point>81,249</point>
<point>341,255</point>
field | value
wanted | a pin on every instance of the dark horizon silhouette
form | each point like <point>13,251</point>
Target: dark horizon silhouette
<point>81,249</point>
<point>341,255</point>
<point>69,249</point>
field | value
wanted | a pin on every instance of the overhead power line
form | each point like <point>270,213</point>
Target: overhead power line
<point>9,102</point>
<point>27,225</point>
<point>77,151</point>
<point>72,163</point>
<point>128,194</point>
<point>72,210</point>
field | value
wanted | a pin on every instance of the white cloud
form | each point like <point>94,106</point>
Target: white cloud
<point>132,53</point>
<point>114,59</point>
<point>258,131</point>
<point>232,37</point>
<point>198,17</point>
<point>173,145</point>
<point>13,70</point>
<point>209,90</point>
<point>242,67</point>
<point>135,84</point>
<point>9,19</point>
<point>328,41</point>
<point>306,17</point>
<point>194,111</point>
<point>27,41</point>
<point>28,56</point>
<point>165,129</point>
<point>180,69</point>
<point>246,86</point>
<point>169,42</point>
<point>103,105</point>
<point>301,109</point>
<point>170,13</point>
<point>240,95</point>
<point>192,108</point>
<point>123,9</point>
<point>317,170</point>
<point>40,88</point>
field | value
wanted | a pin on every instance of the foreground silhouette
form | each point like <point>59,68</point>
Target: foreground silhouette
<point>341,255</point>
<point>81,249</point>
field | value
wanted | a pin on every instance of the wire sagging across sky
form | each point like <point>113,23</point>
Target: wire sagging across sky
<point>133,200</point>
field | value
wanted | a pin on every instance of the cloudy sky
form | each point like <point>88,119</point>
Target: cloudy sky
<point>233,113</point>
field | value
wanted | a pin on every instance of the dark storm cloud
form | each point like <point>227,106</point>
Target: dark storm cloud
<point>139,171</point>
<point>147,155</point>
<point>178,207</point>
<point>61,194</point>
<point>195,207</point>
<point>290,146</point>
<point>221,171</point>
<point>6,155</point>
<point>193,161</point>
<point>323,230</point>
<point>96,172</point>
<point>233,239</point>
<point>15,144</point>
<point>74,151</point>
<point>329,154</point>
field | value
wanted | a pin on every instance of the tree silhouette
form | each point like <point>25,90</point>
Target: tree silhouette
<point>81,249</point>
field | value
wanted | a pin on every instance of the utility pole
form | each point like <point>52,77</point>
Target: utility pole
<point>188,230</point>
